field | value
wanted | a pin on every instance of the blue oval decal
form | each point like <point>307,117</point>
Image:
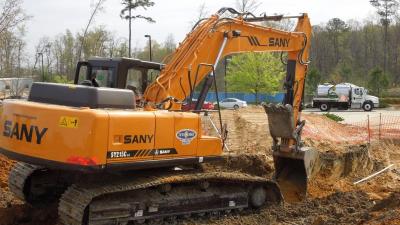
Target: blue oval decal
<point>186,136</point>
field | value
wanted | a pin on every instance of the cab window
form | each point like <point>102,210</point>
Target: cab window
<point>134,79</point>
<point>152,75</point>
<point>104,76</point>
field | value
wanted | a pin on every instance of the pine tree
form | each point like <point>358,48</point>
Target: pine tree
<point>126,13</point>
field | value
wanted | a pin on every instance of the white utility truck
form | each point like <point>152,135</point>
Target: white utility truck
<point>344,96</point>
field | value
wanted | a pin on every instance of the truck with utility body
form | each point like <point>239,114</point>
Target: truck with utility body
<point>344,96</point>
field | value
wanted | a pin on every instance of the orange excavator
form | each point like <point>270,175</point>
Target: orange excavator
<point>111,160</point>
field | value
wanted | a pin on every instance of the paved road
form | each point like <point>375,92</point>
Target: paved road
<point>353,116</point>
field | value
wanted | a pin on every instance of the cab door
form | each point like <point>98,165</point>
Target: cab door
<point>357,98</point>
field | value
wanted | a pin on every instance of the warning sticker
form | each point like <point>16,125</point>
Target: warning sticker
<point>69,122</point>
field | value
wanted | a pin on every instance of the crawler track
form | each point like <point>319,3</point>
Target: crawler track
<point>18,177</point>
<point>167,195</point>
<point>38,185</point>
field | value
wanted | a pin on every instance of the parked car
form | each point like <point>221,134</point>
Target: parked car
<point>186,106</point>
<point>232,103</point>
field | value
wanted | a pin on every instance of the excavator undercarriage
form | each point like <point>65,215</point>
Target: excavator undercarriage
<point>151,195</point>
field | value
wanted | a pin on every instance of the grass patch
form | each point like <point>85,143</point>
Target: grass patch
<point>333,117</point>
<point>395,101</point>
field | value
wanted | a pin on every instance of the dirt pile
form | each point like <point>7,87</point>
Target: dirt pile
<point>22,214</point>
<point>320,130</point>
<point>5,167</point>
<point>248,132</point>
<point>257,165</point>
<point>6,198</point>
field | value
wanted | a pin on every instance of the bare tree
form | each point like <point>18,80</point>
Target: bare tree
<point>247,5</point>
<point>96,9</point>
<point>11,15</point>
<point>202,12</point>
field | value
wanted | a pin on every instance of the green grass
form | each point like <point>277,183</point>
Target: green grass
<point>395,101</point>
<point>333,117</point>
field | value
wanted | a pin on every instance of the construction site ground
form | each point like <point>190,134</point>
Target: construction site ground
<point>332,197</point>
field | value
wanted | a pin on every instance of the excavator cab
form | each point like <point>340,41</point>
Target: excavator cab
<point>122,73</point>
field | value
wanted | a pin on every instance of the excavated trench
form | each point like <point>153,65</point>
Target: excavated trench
<point>354,161</point>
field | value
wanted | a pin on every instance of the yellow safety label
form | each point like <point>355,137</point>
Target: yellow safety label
<point>69,122</point>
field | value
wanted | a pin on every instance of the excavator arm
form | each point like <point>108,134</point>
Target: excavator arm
<point>216,37</point>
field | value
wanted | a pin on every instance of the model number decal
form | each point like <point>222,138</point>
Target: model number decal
<point>120,154</point>
<point>141,153</point>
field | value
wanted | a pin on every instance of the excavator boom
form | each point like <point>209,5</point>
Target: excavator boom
<point>217,37</point>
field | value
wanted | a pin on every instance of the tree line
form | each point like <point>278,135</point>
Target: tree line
<point>353,52</point>
<point>62,52</point>
<point>341,51</point>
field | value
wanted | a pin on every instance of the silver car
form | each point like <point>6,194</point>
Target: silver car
<point>232,103</point>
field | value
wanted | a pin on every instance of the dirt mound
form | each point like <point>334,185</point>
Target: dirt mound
<point>5,167</point>
<point>320,130</point>
<point>386,211</point>
<point>391,202</point>
<point>248,132</point>
<point>26,215</point>
<point>339,208</point>
<point>6,198</point>
<point>257,165</point>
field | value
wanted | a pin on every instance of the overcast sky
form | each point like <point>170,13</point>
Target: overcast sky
<point>52,17</point>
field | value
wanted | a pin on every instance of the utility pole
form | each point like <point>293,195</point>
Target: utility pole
<point>41,55</point>
<point>150,55</point>
<point>130,28</point>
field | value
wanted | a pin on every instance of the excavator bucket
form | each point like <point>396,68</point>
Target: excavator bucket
<point>293,166</point>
